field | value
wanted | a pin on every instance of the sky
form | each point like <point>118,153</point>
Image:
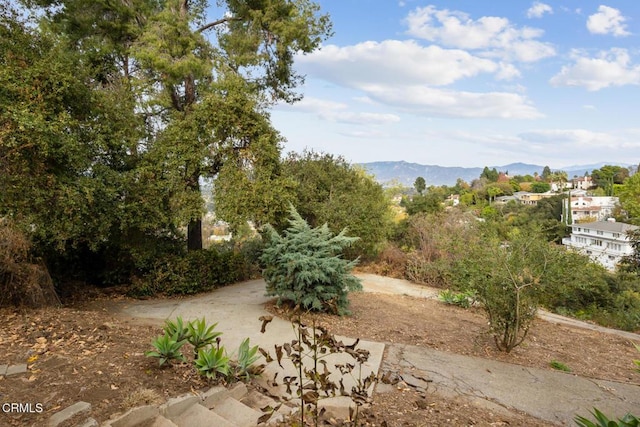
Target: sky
<point>472,83</point>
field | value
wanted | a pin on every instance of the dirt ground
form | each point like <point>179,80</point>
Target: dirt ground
<point>80,353</point>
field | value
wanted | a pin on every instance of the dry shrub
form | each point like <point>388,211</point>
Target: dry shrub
<point>391,262</point>
<point>22,282</point>
<point>437,241</point>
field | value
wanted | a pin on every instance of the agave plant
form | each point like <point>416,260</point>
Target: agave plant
<point>177,328</point>
<point>167,349</point>
<point>201,335</point>
<point>247,356</point>
<point>212,362</point>
<point>602,420</point>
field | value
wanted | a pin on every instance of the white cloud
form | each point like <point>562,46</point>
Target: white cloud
<point>392,61</point>
<point>360,118</point>
<point>576,138</point>
<point>507,72</point>
<point>607,21</point>
<point>434,102</point>
<point>572,144</point>
<point>492,36</point>
<point>338,112</point>
<point>402,75</point>
<point>538,9</point>
<point>609,68</point>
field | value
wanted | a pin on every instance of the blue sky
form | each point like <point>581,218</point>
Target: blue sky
<point>472,83</point>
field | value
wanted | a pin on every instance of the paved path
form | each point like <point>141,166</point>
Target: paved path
<point>549,395</point>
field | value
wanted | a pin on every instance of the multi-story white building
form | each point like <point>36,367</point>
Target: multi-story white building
<point>591,208</point>
<point>605,242</point>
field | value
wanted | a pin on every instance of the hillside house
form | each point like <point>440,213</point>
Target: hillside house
<point>605,242</point>
<point>531,199</point>
<point>590,208</point>
<point>582,182</point>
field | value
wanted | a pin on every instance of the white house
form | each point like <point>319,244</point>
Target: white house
<point>591,207</point>
<point>582,182</point>
<point>605,242</point>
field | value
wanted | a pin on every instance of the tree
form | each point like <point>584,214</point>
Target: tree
<point>330,190</point>
<point>607,176</point>
<point>428,203</point>
<point>490,174</point>
<point>493,191</point>
<point>63,143</point>
<point>420,185</point>
<point>254,189</point>
<point>546,173</point>
<point>631,263</point>
<point>181,69</point>
<point>540,187</point>
<point>630,198</point>
<point>304,266</point>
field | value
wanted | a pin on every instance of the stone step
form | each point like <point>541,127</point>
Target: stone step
<point>267,405</point>
<point>161,421</point>
<point>237,412</point>
<point>73,411</point>
<point>134,417</point>
<point>217,394</point>
<point>199,416</point>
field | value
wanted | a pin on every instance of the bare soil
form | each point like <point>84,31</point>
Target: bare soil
<point>82,352</point>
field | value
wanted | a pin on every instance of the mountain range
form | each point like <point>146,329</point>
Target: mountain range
<point>406,173</point>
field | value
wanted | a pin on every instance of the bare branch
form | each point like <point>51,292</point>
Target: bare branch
<point>217,22</point>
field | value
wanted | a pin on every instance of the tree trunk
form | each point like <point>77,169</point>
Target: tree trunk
<point>194,228</point>
<point>194,235</point>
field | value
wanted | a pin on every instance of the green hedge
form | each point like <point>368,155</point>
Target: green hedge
<point>196,271</point>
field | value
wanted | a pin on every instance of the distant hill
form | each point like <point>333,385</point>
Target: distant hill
<point>406,173</point>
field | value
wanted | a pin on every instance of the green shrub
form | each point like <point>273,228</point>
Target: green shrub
<point>193,272</point>
<point>559,366</point>
<point>508,278</point>
<point>304,266</point>
<point>461,299</point>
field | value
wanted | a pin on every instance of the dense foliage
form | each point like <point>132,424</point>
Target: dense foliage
<point>112,112</point>
<point>304,266</point>
<point>195,271</point>
<point>455,250</point>
<point>330,190</point>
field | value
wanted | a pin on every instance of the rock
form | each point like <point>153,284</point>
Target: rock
<point>16,369</point>
<point>68,413</point>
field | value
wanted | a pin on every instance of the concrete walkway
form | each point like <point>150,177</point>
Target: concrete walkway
<point>550,395</point>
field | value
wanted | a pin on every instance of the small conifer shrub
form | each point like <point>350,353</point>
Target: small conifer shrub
<point>304,266</point>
